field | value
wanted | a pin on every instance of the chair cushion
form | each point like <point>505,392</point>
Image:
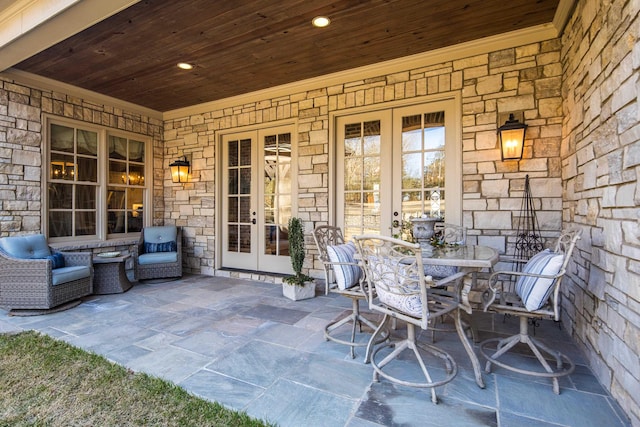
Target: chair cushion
<point>439,271</point>
<point>157,258</point>
<point>535,291</point>
<point>160,234</point>
<point>347,275</point>
<point>150,248</point>
<point>68,274</point>
<point>33,246</point>
<point>57,259</point>
<point>397,291</point>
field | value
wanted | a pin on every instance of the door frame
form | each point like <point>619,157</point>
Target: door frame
<point>456,215</point>
<point>219,173</point>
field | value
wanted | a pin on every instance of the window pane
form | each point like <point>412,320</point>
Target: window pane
<point>233,153</point>
<point>61,138</point>
<point>115,198</point>
<point>245,181</point>
<point>245,238</point>
<point>117,148</point>
<point>245,209</point>
<point>117,172</point>
<point>136,174</point>
<point>134,222</point>
<point>59,224</point>
<point>233,209</point>
<point>87,169</point>
<point>85,223</point>
<point>245,152</point>
<point>136,151</point>
<point>62,167</point>
<point>85,197</point>
<point>115,222</point>
<point>60,196</point>
<point>87,142</point>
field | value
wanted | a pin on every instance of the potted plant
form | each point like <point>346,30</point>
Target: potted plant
<point>299,286</point>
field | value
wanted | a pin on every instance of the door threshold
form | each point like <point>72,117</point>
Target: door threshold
<point>260,276</point>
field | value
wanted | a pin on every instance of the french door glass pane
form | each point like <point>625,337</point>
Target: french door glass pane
<point>423,138</point>
<point>362,174</point>
<point>277,192</point>
<point>239,195</point>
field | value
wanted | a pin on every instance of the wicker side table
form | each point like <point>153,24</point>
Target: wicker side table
<point>109,275</point>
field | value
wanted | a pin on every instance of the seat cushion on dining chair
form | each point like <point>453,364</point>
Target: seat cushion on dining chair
<point>535,291</point>
<point>347,275</point>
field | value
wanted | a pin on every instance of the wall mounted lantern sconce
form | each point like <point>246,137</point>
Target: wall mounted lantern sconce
<point>511,135</point>
<point>180,170</point>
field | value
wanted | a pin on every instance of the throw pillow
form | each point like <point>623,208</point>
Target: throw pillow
<point>160,247</point>
<point>57,260</point>
<point>535,291</point>
<point>347,275</point>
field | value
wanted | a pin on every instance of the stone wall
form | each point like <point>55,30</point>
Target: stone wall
<point>601,165</point>
<point>21,168</point>
<point>522,79</point>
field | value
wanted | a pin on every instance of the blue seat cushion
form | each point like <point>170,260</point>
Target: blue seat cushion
<point>68,274</point>
<point>33,246</point>
<point>157,258</point>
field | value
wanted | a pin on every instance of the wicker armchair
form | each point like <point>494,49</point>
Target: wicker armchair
<point>158,254</point>
<point>29,281</point>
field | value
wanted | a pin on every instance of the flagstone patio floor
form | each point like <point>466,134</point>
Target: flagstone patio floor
<point>243,344</point>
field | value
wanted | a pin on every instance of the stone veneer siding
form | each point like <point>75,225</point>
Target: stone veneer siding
<point>21,168</point>
<point>525,79</point>
<point>601,166</point>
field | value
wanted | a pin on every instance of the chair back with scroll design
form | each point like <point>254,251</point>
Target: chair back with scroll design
<point>398,289</point>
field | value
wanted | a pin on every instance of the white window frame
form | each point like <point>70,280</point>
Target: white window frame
<point>103,133</point>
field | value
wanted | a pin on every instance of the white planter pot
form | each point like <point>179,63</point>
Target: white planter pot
<point>297,293</point>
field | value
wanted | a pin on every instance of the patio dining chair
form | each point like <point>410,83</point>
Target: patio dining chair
<point>343,276</point>
<point>398,289</point>
<point>534,293</point>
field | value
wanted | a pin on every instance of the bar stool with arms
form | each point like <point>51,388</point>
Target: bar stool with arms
<point>535,295</point>
<point>347,280</point>
<point>394,270</point>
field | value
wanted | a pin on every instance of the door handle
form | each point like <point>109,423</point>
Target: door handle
<point>253,221</point>
<point>395,223</point>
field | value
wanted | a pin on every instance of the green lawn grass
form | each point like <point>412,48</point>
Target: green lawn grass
<point>44,382</point>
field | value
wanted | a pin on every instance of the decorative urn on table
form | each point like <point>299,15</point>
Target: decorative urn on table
<point>423,231</point>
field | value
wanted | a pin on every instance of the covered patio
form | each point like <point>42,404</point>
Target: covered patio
<point>94,111</point>
<point>241,343</point>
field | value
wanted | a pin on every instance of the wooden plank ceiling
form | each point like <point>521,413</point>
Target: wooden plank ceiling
<point>245,45</point>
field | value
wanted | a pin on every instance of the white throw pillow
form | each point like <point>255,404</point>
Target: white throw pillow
<point>347,275</point>
<point>535,291</point>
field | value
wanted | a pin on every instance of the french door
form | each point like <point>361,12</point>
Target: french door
<point>257,199</point>
<point>396,164</point>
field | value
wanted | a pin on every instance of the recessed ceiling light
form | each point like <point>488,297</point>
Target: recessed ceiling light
<point>185,65</point>
<point>320,21</point>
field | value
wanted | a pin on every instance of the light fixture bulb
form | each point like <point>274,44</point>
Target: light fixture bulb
<point>320,21</point>
<point>185,66</point>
